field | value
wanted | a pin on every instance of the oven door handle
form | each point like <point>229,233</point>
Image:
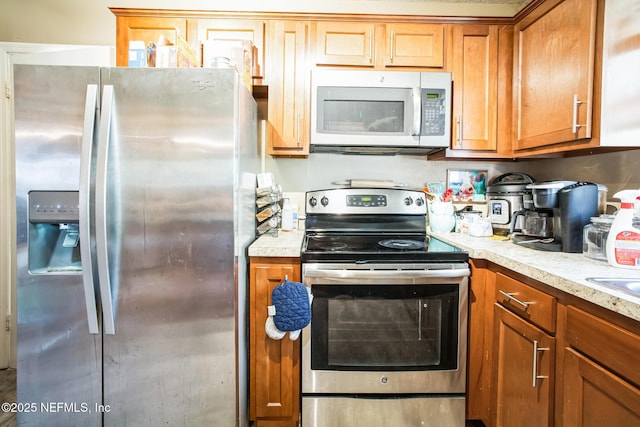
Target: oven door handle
<point>387,274</point>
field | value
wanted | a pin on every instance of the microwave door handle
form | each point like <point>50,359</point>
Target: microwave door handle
<point>417,110</point>
<point>104,135</point>
<point>84,202</point>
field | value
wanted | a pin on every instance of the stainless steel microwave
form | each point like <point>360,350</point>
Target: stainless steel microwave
<point>380,109</point>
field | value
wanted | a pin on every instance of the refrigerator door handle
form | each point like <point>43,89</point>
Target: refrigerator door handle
<point>88,135</point>
<point>104,135</point>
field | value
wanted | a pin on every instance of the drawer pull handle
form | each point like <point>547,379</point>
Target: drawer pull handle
<point>536,349</point>
<point>510,297</point>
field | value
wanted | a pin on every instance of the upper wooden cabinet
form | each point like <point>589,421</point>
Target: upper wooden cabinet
<point>479,58</point>
<point>475,81</point>
<point>554,51</point>
<point>231,29</point>
<point>147,29</point>
<point>364,44</point>
<point>288,78</point>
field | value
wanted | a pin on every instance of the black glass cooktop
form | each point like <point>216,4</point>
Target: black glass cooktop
<point>379,248</point>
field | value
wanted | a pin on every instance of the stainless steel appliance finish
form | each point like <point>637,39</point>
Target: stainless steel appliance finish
<point>128,293</point>
<point>367,411</point>
<point>407,380</point>
<point>507,194</point>
<point>387,342</point>
<point>354,110</point>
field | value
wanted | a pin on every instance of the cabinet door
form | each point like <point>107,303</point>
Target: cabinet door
<point>345,43</point>
<point>475,82</point>
<point>595,397</point>
<point>414,45</point>
<point>288,79</point>
<point>231,29</point>
<point>147,29</point>
<point>274,364</point>
<point>523,369</point>
<point>554,68</point>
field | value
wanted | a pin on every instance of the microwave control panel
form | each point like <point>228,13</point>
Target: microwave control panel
<point>433,112</point>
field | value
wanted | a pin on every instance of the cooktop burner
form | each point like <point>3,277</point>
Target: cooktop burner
<point>376,247</point>
<point>402,244</point>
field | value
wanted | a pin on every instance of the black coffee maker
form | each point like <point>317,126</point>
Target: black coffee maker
<point>572,204</point>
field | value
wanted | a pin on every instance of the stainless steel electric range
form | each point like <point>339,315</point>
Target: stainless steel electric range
<point>387,342</point>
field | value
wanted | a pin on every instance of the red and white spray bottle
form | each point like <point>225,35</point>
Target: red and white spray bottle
<point>623,241</point>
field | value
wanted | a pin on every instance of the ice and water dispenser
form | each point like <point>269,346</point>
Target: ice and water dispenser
<point>53,232</point>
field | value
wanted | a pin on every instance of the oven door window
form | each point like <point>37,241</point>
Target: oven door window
<point>364,111</point>
<point>384,327</point>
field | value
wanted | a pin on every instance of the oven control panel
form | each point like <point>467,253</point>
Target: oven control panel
<point>366,201</point>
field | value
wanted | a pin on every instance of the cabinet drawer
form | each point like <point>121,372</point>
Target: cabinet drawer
<point>610,345</point>
<point>527,302</point>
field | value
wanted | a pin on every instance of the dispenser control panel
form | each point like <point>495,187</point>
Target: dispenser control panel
<point>54,207</point>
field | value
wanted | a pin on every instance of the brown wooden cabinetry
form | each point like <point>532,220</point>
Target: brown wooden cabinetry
<point>147,29</point>
<point>203,29</point>
<point>555,360</point>
<point>479,367</point>
<point>554,51</point>
<point>288,78</point>
<point>366,44</point>
<point>274,365</point>
<point>480,60</point>
<point>524,355</point>
<point>475,79</point>
<point>601,381</point>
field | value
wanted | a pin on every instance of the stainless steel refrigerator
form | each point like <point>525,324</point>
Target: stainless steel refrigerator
<point>135,192</point>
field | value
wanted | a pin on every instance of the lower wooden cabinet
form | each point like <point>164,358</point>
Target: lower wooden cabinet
<point>274,365</point>
<point>595,397</point>
<point>523,372</point>
<point>554,360</point>
<point>601,380</point>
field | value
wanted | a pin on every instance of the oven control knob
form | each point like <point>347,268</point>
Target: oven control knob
<point>408,201</point>
<point>313,201</point>
<point>324,201</point>
<point>419,201</point>
<point>384,380</point>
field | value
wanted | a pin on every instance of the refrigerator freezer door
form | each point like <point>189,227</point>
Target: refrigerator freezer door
<point>170,236</point>
<point>59,362</point>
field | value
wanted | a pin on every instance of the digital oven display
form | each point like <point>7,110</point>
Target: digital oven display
<point>366,200</point>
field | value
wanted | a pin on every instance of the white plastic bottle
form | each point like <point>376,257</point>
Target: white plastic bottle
<point>623,242</point>
<point>287,216</point>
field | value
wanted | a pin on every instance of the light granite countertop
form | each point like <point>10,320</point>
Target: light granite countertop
<point>285,244</point>
<point>563,271</point>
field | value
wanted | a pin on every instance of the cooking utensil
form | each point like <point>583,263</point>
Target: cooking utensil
<point>370,183</point>
<point>547,240</point>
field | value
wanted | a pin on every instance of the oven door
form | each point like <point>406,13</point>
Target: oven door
<point>386,328</point>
